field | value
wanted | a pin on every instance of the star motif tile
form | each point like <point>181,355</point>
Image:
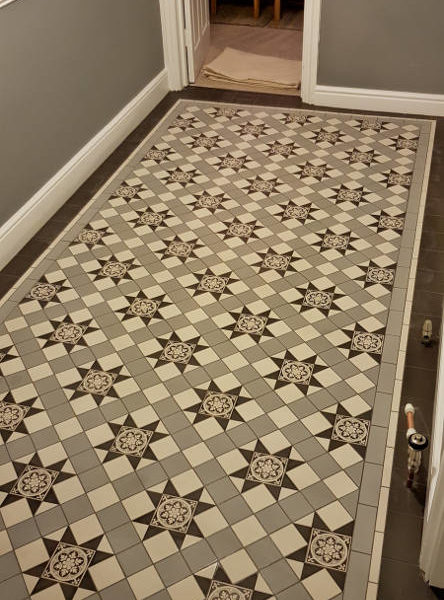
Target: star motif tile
<point>405,143</point>
<point>209,201</point>
<point>361,157</point>
<point>304,374</point>
<point>313,171</point>
<point>336,427</point>
<point>374,274</point>
<point>321,551</point>
<point>370,125</point>
<point>67,333</point>
<point>178,353</point>
<point>326,301</point>
<point>245,322</point>
<point>91,236</point>
<point>299,212</point>
<point>227,407</point>
<point>362,344</point>
<point>349,195</point>
<point>332,241</point>
<point>220,586</point>
<point>385,221</point>
<point>252,130</point>
<point>131,442</point>
<point>262,468</point>
<point>130,190</point>
<point>64,568</point>
<point>176,178</point>
<point>295,120</point>
<point>219,285</point>
<point>95,382</point>
<point>114,269</point>
<point>224,114</point>
<point>16,416</point>
<point>282,263</point>
<point>280,150</point>
<point>397,180</point>
<point>178,248</point>
<point>48,291</point>
<point>31,487</point>
<point>171,512</point>
<point>263,186</point>
<point>185,122</point>
<point>143,307</point>
<point>151,219</point>
<point>232,163</point>
<point>326,137</point>
<point>158,154</point>
<point>242,230</point>
<point>202,142</point>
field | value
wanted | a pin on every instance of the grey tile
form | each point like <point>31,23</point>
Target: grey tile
<point>370,484</point>
<point>358,572</point>
<point>224,543</point>
<point>23,533</point>
<point>364,529</point>
<point>112,516</point>
<point>172,569</point>
<point>122,537</point>
<point>235,509</point>
<point>14,588</point>
<point>134,559</point>
<point>279,576</point>
<point>198,556</point>
<point>119,590</point>
<point>263,552</point>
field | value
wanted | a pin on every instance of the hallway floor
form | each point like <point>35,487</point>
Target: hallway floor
<point>203,285</point>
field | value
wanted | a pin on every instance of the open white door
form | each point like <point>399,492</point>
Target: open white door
<point>197,34</point>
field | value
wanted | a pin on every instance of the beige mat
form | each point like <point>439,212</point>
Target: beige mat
<point>253,69</point>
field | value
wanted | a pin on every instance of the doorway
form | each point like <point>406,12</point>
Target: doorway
<point>254,46</point>
<point>186,34</point>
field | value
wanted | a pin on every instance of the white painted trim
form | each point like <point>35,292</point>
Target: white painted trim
<point>310,49</point>
<point>173,37</point>
<point>379,100</point>
<point>26,222</point>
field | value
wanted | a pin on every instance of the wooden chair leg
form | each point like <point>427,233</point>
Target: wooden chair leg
<point>257,8</point>
<point>213,7</point>
<point>277,10</point>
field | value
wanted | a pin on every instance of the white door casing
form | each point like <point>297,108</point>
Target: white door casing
<point>197,34</point>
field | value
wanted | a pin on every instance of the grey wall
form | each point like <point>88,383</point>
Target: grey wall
<point>66,68</point>
<point>383,44</point>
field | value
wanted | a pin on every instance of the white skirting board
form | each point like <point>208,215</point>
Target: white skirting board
<point>26,222</point>
<point>378,100</point>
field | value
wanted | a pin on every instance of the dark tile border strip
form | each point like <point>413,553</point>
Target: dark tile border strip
<point>400,577</point>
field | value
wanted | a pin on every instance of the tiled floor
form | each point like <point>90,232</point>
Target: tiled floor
<point>238,461</point>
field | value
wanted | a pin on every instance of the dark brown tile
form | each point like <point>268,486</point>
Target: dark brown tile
<point>403,537</point>
<point>430,304</point>
<point>431,260</point>
<point>403,581</point>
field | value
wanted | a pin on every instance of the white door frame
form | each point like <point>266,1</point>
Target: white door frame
<point>173,36</point>
<point>310,49</point>
<point>173,33</point>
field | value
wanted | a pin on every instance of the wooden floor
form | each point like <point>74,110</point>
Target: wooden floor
<point>400,577</point>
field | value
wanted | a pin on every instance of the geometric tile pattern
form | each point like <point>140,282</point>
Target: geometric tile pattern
<point>193,385</point>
